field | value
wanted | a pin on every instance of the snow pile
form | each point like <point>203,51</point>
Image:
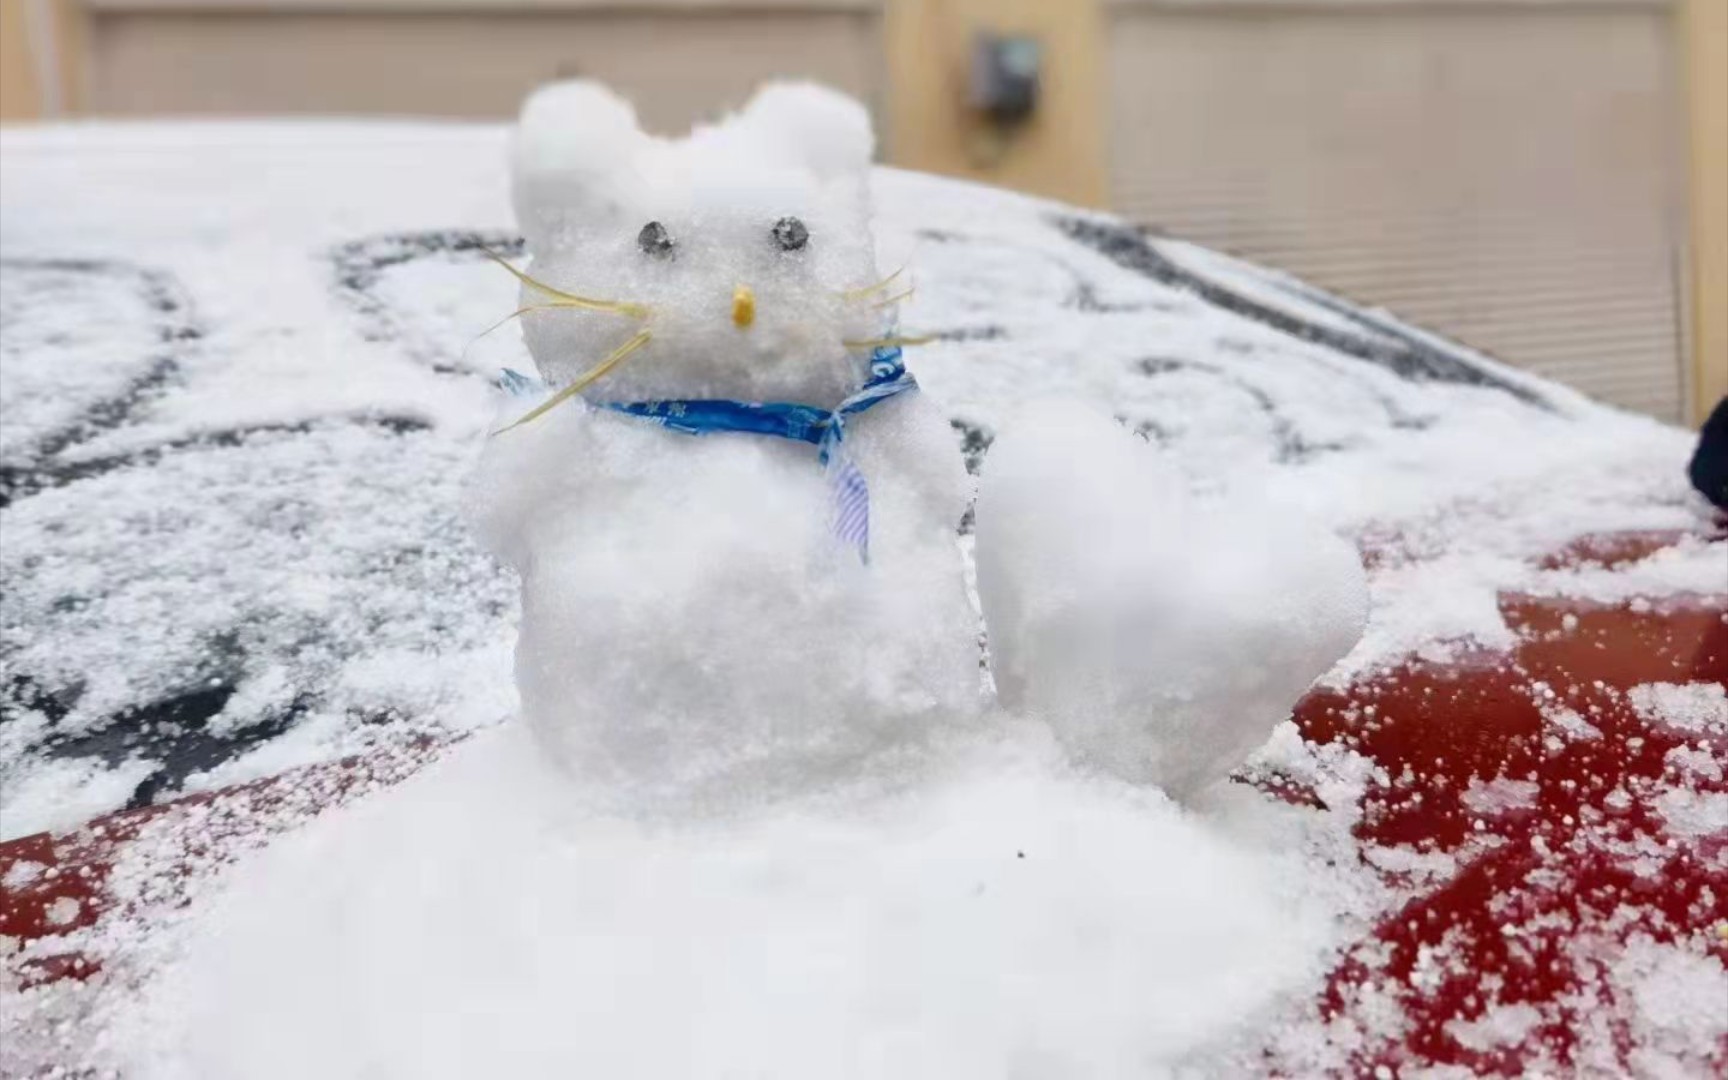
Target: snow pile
<point>1680,1013</point>
<point>690,627</point>
<point>1001,917</point>
<point>1697,708</point>
<point>752,802</point>
<point>1161,636</point>
<point>774,201</point>
<point>137,885</point>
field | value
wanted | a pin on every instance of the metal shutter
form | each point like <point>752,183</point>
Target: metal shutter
<point>1507,175</point>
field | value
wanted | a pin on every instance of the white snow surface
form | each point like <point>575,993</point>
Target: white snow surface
<point>997,917</point>
<point>1156,633</point>
<point>264,534</point>
<point>281,509</point>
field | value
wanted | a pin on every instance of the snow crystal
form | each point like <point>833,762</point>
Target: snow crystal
<point>1696,707</point>
<point>1688,761</point>
<point>62,911</point>
<point>21,874</point>
<point>1502,1025</point>
<point>1694,813</point>
<point>1418,865</point>
<point>1679,1003</point>
<point>1570,724</point>
<point>1499,795</point>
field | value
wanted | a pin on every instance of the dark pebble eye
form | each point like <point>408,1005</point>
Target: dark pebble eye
<point>791,234</point>
<point>654,239</point>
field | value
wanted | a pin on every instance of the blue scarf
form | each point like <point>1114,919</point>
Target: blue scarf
<point>823,428</point>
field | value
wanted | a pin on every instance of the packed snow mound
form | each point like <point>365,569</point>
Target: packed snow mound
<point>692,627</point>
<point>691,630</point>
<point>1161,634</point>
<point>773,200</point>
<point>999,918</point>
<point>874,883</point>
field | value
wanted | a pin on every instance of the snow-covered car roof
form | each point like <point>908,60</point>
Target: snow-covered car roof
<point>244,384</point>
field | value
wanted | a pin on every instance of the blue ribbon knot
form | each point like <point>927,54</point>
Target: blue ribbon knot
<point>823,428</point>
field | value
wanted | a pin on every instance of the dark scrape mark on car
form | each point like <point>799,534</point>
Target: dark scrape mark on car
<point>1396,414</point>
<point>1291,446</point>
<point>359,266</point>
<point>1384,342</point>
<point>24,694</point>
<point>19,482</point>
<point>171,732</point>
<point>360,263</point>
<point>1150,430</point>
<point>974,443</point>
<point>1082,292</point>
<point>970,333</point>
<point>175,327</point>
<point>1084,298</point>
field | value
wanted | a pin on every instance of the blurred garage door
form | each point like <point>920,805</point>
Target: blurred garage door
<point>1506,173</point>
<point>678,61</point>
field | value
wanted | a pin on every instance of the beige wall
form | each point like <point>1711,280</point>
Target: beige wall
<point>1706,41</point>
<point>41,50</point>
<point>678,58</point>
<point>1061,151</point>
<point>20,97</point>
<point>677,65</point>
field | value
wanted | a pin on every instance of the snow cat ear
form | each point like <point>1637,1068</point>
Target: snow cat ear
<point>572,147</point>
<point>826,131</point>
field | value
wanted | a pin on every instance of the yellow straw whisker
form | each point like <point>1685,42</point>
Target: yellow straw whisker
<point>582,381</point>
<point>623,307</point>
<point>517,314</point>
<point>861,293</point>
<point>521,311</point>
<point>892,300</point>
<point>886,342</point>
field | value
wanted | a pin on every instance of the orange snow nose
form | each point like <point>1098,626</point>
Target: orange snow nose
<point>743,307</point>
